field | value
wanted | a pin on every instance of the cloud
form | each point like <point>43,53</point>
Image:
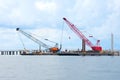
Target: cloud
<point>12,13</point>
<point>99,18</point>
<point>8,39</point>
<point>45,6</point>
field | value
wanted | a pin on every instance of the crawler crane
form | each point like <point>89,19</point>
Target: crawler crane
<point>96,47</point>
<point>51,49</point>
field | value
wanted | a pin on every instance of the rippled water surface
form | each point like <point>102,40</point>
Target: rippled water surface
<point>59,68</point>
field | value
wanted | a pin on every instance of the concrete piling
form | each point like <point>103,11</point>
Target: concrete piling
<point>13,52</point>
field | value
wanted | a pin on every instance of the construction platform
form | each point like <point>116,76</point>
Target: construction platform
<point>62,53</point>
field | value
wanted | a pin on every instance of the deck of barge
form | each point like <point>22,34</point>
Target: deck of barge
<point>74,53</point>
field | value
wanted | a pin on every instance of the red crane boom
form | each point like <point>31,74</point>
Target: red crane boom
<point>81,36</point>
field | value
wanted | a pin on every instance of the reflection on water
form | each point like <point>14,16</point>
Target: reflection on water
<point>59,68</point>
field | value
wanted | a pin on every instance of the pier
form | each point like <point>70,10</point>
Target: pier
<point>11,52</point>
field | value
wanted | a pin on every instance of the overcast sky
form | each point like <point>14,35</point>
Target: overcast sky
<point>99,18</point>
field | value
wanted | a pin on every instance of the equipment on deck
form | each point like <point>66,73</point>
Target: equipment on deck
<point>41,44</point>
<point>81,36</point>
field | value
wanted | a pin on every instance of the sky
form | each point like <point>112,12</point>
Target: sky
<point>43,18</point>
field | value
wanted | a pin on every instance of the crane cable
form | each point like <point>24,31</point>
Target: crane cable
<point>21,41</point>
<point>62,35</point>
<point>41,37</point>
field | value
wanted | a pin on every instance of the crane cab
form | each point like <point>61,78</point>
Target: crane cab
<point>54,49</point>
<point>96,48</point>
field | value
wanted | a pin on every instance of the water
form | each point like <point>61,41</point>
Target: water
<point>59,68</point>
